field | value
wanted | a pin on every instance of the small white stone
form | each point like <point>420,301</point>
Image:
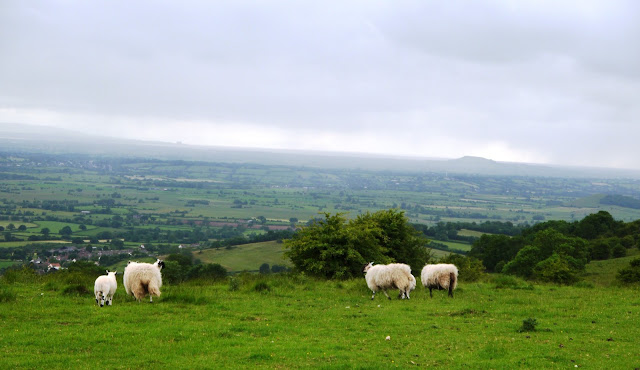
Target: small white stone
<point>388,337</point>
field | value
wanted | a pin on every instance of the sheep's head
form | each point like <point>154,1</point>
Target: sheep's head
<point>160,264</point>
<point>111,273</point>
<point>366,267</point>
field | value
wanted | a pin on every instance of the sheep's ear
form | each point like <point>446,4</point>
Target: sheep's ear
<point>107,272</point>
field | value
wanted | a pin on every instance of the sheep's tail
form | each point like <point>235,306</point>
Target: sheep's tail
<point>453,280</point>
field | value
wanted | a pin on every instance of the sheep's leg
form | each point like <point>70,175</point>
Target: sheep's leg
<point>406,293</point>
<point>150,298</point>
<point>374,295</point>
<point>430,292</point>
<point>385,293</point>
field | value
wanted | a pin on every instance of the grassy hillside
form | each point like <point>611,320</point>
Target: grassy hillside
<point>246,257</point>
<point>603,273</point>
<point>294,321</point>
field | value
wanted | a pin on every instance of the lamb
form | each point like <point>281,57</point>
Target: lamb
<point>141,279</point>
<point>383,277</point>
<point>104,288</point>
<point>441,276</point>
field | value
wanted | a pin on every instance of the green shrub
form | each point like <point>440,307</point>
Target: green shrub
<point>510,282</point>
<point>555,269</point>
<point>212,271</point>
<point>20,274</point>
<point>261,286</point>
<point>469,268</point>
<point>7,294</point>
<point>76,290</point>
<point>528,325</point>
<point>618,251</point>
<point>173,272</point>
<point>524,262</point>
<point>630,274</point>
<point>234,284</point>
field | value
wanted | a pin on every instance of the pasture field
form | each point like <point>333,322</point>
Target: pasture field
<point>455,245</point>
<point>292,321</point>
<point>245,257</point>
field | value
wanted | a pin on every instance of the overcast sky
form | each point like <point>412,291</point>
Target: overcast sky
<point>520,81</point>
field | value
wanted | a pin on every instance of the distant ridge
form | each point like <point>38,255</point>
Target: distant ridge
<point>43,139</point>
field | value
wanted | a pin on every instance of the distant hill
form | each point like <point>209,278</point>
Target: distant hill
<point>43,139</point>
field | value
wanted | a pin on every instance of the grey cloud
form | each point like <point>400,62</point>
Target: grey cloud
<point>534,75</point>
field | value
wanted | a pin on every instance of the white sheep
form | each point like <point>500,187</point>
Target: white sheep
<point>104,288</point>
<point>141,279</point>
<point>412,285</point>
<point>441,276</point>
<point>394,276</point>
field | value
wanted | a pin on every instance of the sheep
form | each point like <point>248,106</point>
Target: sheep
<point>412,285</point>
<point>104,288</point>
<point>141,279</point>
<point>383,277</point>
<point>441,276</point>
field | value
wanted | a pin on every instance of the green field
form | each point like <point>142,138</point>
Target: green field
<point>246,257</point>
<point>294,321</point>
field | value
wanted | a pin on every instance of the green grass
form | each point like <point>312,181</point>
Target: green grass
<point>466,232</point>
<point>455,245</point>
<point>246,257</point>
<point>5,264</point>
<point>294,321</point>
<point>603,273</point>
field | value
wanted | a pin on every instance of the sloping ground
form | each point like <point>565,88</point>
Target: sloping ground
<point>246,257</point>
<point>603,273</point>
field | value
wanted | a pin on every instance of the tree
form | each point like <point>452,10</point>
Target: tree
<point>45,231</point>
<point>401,241</point>
<point>555,269</point>
<point>83,227</point>
<point>329,248</point>
<point>22,228</point>
<point>493,249</point>
<point>11,227</point>
<point>335,248</point>
<point>524,262</point>
<point>65,231</point>
<point>264,268</point>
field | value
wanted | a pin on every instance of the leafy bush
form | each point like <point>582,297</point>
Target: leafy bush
<point>555,269</point>
<point>528,325</point>
<point>173,272</point>
<point>7,294</point>
<point>234,284</point>
<point>76,290</point>
<point>524,262</point>
<point>20,274</point>
<point>334,248</point>
<point>511,282</point>
<point>469,268</point>
<point>261,286</point>
<point>618,251</point>
<point>630,274</point>
<point>209,271</point>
